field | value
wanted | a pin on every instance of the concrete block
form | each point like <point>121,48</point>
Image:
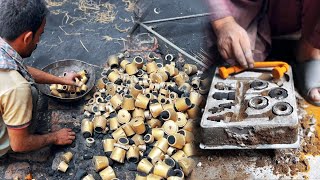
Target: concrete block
<point>262,116</point>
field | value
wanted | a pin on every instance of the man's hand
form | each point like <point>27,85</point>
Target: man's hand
<point>64,136</point>
<point>233,41</point>
<point>69,79</point>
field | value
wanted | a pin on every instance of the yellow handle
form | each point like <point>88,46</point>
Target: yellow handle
<point>278,72</point>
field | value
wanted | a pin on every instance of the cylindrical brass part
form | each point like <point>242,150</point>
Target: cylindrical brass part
<point>122,146</point>
<point>123,140</point>
<point>182,119</point>
<point>195,83</point>
<point>131,69</point>
<point>196,98</point>
<point>128,129</point>
<point>84,80</point>
<point>170,127</point>
<point>205,81</point>
<point>161,169</point>
<point>189,137</point>
<point>100,83</point>
<point>138,139</point>
<point>83,72</point>
<point>162,144</point>
<point>204,90</point>
<point>86,128</point>
<point>108,145</point>
<point>170,162</point>
<point>157,133</point>
<point>144,166</point>
<point>107,174</point>
<point>176,140</point>
<point>63,166</point>
<point>87,114</point>
<point>66,157</point>
<point>179,79</point>
<point>169,114</point>
<point>64,87</point>
<point>173,71</point>
<point>168,106</point>
<point>133,154</point>
<point>56,93</point>
<point>154,177</point>
<point>187,165</point>
<point>88,177</point>
<point>140,177</point>
<point>185,87</point>
<point>147,114</point>
<point>118,134</point>
<point>100,124</point>
<point>136,90</point>
<point>138,61</point>
<point>190,69</point>
<point>118,154</point>
<point>124,63</point>
<point>83,88</point>
<point>155,155</point>
<point>101,106</point>
<point>100,162</point>
<point>138,112</point>
<point>116,101</point>
<point>154,123</point>
<point>123,116</point>
<point>164,92</point>
<point>182,104</point>
<point>194,112</point>
<point>114,124</point>
<point>60,88</point>
<point>138,126</point>
<point>171,150</point>
<point>189,125</point>
<point>150,96</point>
<point>178,155</point>
<point>142,101</point>
<point>114,76</point>
<point>189,149</point>
<point>73,95</point>
<point>155,109</point>
<point>162,99</point>
<point>148,138</point>
<point>113,61</point>
<point>128,103</point>
<point>90,141</point>
<point>152,67</point>
<point>142,147</point>
<point>111,89</point>
<point>53,87</point>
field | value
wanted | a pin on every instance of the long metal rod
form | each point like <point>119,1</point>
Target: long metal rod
<point>177,18</point>
<point>172,45</point>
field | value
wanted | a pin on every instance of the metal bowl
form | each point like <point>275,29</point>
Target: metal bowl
<point>59,67</point>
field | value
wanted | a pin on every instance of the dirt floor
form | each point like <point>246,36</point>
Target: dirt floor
<point>90,35</point>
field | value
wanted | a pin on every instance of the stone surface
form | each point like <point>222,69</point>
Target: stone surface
<point>245,127</point>
<point>17,170</point>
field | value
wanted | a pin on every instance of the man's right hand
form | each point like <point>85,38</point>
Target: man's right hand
<point>64,136</point>
<point>233,41</point>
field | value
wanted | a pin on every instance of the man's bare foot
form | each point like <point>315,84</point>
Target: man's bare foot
<point>305,52</point>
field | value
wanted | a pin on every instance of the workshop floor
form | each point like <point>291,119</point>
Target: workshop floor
<point>93,40</point>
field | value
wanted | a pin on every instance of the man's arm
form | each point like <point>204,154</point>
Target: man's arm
<point>42,77</point>
<point>22,141</point>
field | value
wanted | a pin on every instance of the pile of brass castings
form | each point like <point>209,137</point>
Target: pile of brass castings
<point>147,111</point>
<point>68,91</point>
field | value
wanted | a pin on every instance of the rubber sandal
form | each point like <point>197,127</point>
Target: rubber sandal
<point>308,77</point>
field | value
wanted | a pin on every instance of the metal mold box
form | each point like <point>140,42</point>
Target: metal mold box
<point>250,110</point>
